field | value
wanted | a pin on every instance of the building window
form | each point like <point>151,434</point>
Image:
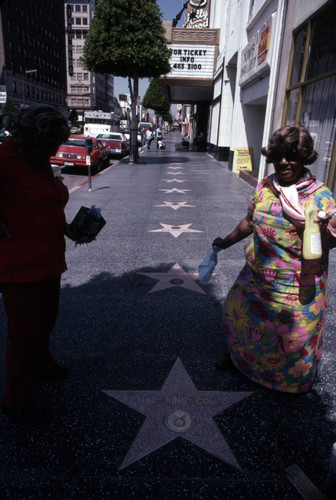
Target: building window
<point>84,8</point>
<point>77,8</point>
<point>78,20</point>
<point>86,76</point>
<point>85,21</point>
<point>310,97</point>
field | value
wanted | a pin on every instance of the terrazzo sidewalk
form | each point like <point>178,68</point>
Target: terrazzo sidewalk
<point>145,413</point>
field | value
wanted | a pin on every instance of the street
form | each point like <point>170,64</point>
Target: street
<point>145,413</point>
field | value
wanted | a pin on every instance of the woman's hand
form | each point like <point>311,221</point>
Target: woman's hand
<point>218,242</point>
<point>4,231</point>
<point>328,240</point>
<point>322,219</point>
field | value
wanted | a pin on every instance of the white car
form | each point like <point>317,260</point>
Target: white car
<point>127,133</point>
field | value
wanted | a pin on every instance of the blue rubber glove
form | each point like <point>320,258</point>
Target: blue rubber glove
<point>207,266</point>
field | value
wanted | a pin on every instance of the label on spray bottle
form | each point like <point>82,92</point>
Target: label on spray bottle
<point>315,241</point>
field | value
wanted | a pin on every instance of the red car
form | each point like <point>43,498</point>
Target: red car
<point>117,143</point>
<point>72,153</point>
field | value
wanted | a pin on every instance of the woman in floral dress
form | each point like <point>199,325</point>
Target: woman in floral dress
<point>274,314</point>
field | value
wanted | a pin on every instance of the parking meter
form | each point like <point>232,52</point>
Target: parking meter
<point>88,144</point>
<point>89,148</point>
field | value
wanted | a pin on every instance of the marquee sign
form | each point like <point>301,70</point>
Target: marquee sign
<point>192,61</point>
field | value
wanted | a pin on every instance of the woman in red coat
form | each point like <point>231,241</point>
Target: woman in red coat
<point>32,252</point>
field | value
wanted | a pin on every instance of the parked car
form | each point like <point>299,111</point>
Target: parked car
<point>72,153</point>
<point>127,134</point>
<point>117,142</point>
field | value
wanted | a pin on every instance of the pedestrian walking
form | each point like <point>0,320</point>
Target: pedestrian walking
<point>149,137</point>
<point>274,314</point>
<point>185,142</point>
<point>158,137</point>
<point>32,252</point>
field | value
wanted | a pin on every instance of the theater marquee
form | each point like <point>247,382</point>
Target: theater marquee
<point>193,56</point>
<point>191,61</point>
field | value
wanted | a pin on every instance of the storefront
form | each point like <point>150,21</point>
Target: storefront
<point>194,51</point>
<point>311,87</point>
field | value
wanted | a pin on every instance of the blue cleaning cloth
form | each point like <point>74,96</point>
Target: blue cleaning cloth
<point>207,266</point>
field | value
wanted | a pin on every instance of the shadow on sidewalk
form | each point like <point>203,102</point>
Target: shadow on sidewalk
<point>115,334</point>
<point>143,160</point>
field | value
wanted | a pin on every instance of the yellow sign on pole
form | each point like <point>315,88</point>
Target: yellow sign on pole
<point>242,159</point>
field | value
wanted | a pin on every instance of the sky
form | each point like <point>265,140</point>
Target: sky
<point>169,9</point>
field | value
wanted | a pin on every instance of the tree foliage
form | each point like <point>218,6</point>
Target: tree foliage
<point>8,107</point>
<point>154,98</point>
<point>127,39</point>
<point>73,116</point>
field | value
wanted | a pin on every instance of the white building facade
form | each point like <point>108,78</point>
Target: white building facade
<point>276,65</point>
<point>258,65</point>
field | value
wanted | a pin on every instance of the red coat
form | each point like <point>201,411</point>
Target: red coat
<point>32,205</point>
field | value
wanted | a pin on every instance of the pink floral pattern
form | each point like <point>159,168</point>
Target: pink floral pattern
<point>274,314</point>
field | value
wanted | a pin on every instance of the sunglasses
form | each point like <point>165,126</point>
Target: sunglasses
<point>290,156</point>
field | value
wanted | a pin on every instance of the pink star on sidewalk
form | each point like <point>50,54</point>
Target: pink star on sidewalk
<point>175,190</point>
<point>175,230</point>
<point>176,276</point>
<point>175,180</point>
<point>180,411</point>
<point>175,205</point>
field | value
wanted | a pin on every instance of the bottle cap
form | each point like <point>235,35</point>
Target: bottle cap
<point>321,214</point>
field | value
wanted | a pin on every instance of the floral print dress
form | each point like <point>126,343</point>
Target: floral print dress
<point>275,312</point>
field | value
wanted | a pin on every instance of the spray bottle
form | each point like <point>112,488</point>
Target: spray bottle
<point>312,244</point>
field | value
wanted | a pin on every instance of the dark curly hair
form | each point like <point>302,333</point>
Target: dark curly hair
<point>293,142</point>
<point>37,125</point>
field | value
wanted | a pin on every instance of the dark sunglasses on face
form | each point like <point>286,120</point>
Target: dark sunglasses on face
<point>290,156</point>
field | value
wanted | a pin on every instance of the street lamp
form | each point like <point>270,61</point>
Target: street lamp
<point>178,17</point>
<point>27,72</point>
